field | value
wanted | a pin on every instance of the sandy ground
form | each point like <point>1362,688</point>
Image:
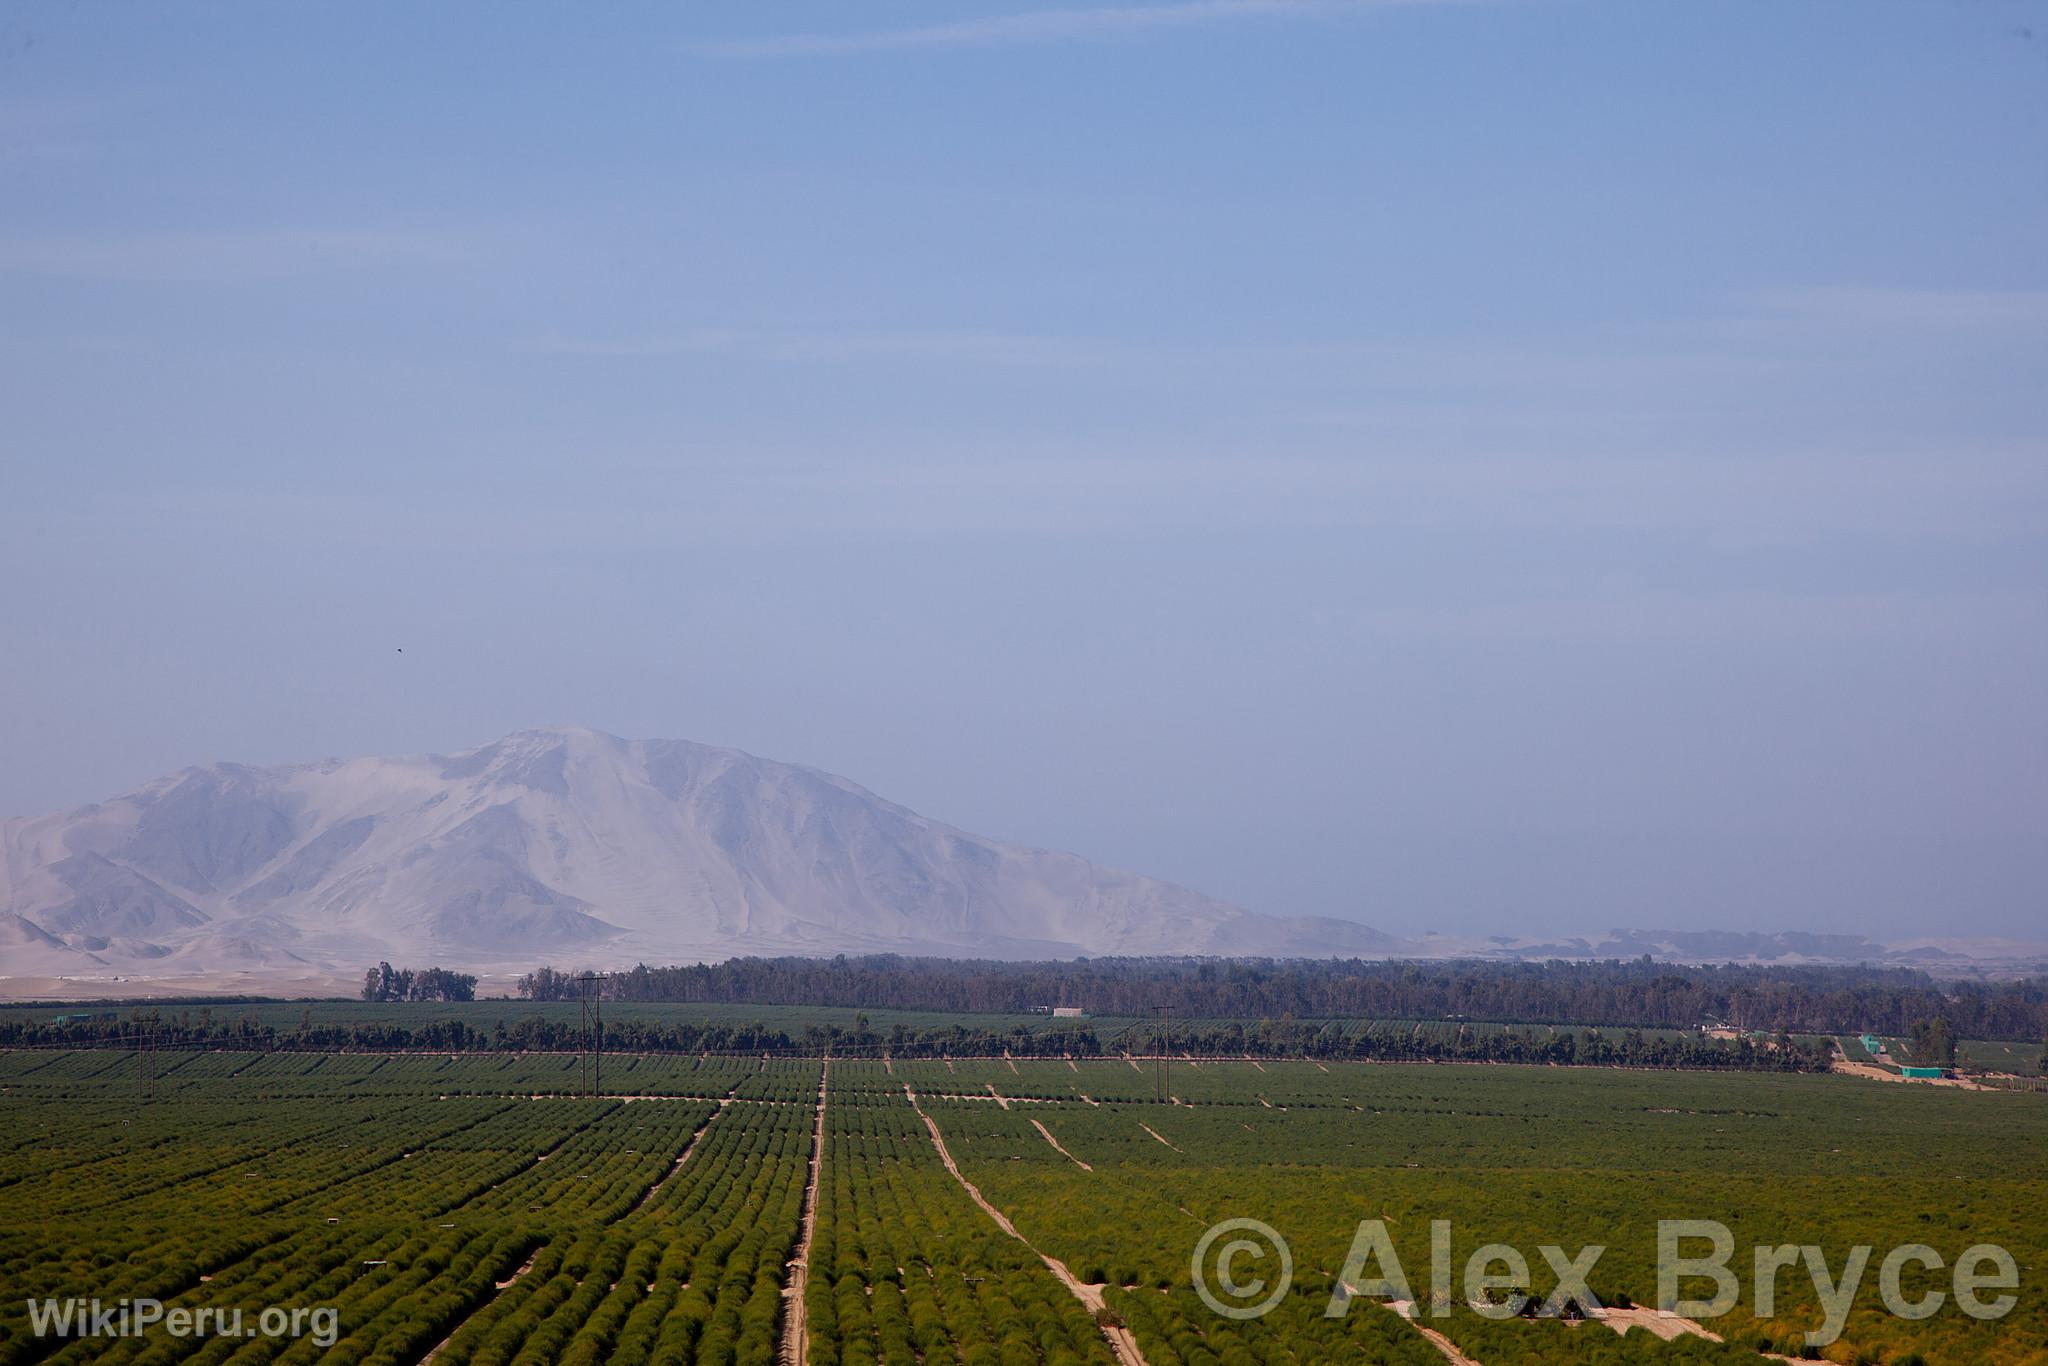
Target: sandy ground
<point>312,984</point>
<point>1875,1073</point>
<point>1657,1322</point>
<point>1662,1323</point>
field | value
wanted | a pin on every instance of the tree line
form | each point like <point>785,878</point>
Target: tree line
<point>1933,1043</point>
<point>630,1034</point>
<point>1635,993</point>
<point>385,983</point>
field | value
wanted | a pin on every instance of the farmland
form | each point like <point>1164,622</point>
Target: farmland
<point>473,1208</point>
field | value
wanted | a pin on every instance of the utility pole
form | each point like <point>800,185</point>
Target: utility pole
<point>1163,1019</point>
<point>591,993</point>
<point>145,1061</point>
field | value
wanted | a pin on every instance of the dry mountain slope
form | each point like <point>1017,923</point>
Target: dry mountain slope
<point>567,843</point>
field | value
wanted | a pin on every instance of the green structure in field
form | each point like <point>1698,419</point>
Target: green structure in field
<point>1920,1072</point>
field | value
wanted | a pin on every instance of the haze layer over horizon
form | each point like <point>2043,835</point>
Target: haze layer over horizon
<point>1503,466</point>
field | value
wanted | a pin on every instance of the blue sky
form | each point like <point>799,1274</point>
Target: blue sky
<point>1489,465</point>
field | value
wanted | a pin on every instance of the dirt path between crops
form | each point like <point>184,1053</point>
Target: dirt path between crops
<point>1118,1336</point>
<point>681,1158</point>
<point>450,1208</point>
<point>1156,1134</point>
<point>1446,1346</point>
<point>796,1327</point>
<point>502,1287</point>
<point>1058,1149</point>
<point>1435,1339</point>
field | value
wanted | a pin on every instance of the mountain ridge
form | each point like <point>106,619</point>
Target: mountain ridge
<point>566,840</point>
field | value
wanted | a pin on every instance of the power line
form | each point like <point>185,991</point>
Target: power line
<point>1163,1015</point>
<point>145,1063</point>
<point>590,991</point>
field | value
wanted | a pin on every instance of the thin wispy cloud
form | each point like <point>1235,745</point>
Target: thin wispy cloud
<point>969,347</point>
<point>1035,27</point>
<point>1945,308</point>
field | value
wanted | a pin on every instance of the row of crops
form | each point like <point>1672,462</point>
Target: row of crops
<point>283,1077</point>
<point>1530,1157</point>
<point>691,1274</point>
<point>1978,1055</point>
<point>171,1074</point>
<point>523,1225</point>
<point>475,1209</point>
<point>905,1269</point>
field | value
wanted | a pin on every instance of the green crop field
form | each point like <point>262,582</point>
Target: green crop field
<point>472,1208</point>
<point>484,1015</point>
<point>1974,1056</point>
<point>2018,1059</point>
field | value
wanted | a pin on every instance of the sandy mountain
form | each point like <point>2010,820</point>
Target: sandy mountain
<point>562,845</point>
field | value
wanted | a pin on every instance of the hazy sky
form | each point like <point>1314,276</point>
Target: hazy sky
<point>1487,465</point>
